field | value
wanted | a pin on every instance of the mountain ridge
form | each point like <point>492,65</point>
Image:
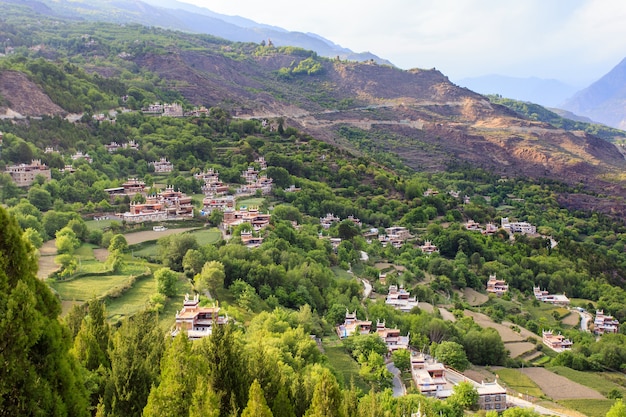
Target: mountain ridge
<point>180,16</point>
<point>604,100</point>
<point>418,115</point>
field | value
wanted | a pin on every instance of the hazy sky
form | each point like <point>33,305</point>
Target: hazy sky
<point>576,41</point>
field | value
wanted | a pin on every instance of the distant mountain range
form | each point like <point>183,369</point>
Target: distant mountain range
<point>175,15</point>
<point>604,100</point>
<point>549,93</point>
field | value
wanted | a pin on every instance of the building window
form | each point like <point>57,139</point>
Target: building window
<point>487,398</point>
<point>498,406</point>
<point>497,398</point>
<point>488,407</point>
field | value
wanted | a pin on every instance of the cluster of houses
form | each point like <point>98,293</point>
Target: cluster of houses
<point>401,299</point>
<point>604,323</point>
<point>166,110</point>
<point>523,228</point>
<point>25,174</point>
<point>173,110</point>
<point>488,230</point>
<point>166,205</point>
<point>433,379</point>
<point>546,297</point>
<point>391,337</point>
<point>556,342</point>
<point>114,146</point>
<point>497,286</point>
<point>254,181</point>
<point>162,165</point>
<point>196,320</point>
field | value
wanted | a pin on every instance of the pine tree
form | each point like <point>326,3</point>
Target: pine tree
<point>326,397</point>
<point>179,372</point>
<point>257,406</point>
<point>205,402</point>
<point>92,341</point>
<point>227,370</point>
<point>43,378</point>
<point>135,357</point>
<point>282,405</point>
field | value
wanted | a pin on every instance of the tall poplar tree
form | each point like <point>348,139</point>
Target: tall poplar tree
<point>38,376</point>
<point>257,406</point>
<point>179,373</point>
<point>326,397</point>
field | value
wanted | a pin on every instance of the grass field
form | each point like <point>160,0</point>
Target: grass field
<point>341,273</point>
<point>345,366</point>
<point>603,382</point>
<point>249,202</point>
<point>85,288</point>
<point>519,382</point>
<point>133,300</point>
<point>100,224</point>
<point>207,236</point>
<point>591,408</point>
<point>146,251</point>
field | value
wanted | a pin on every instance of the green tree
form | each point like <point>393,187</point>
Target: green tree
<point>227,369</point>
<point>66,241</point>
<point>118,243</point>
<point>452,354</point>
<point>282,404</point>
<point>618,409</point>
<point>523,412</point>
<point>401,359</point>
<point>33,237</point>
<point>257,406</point>
<point>92,341</point>
<point>172,249</point>
<point>43,378</point>
<point>40,198</point>
<point>179,373</point>
<point>347,229</point>
<point>166,281</point>
<point>374,371</point>
<point>326,397</point>
<point>204,401</point>
<point>211,278</point>
<point>465,395</point>
<point>193,261</point>
<point>136,350</point>
<point>484,347</point>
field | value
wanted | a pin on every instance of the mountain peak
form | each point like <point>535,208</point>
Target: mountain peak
<point>603,100</point>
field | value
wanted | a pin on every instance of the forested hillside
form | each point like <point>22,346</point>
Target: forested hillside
<point>93,336</point>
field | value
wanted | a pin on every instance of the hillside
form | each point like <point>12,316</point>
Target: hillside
<point>604,100</point>
<point>418,115</point>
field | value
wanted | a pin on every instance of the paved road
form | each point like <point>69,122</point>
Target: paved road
<point>367,290</point>
<point>585,318</point>
<point>398,387</point>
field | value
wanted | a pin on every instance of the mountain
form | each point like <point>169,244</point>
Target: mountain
<point>604,100</point>
<point>549,93</point>
<point>416,119</point>
<point>175,15</point>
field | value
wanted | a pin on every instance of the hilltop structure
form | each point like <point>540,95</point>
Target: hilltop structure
<point>433,379</point>
<point>197,321</point>
<point>603,323</point>
<point>25,174</point>
<point>497,286</point>
<point>400,299</point>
